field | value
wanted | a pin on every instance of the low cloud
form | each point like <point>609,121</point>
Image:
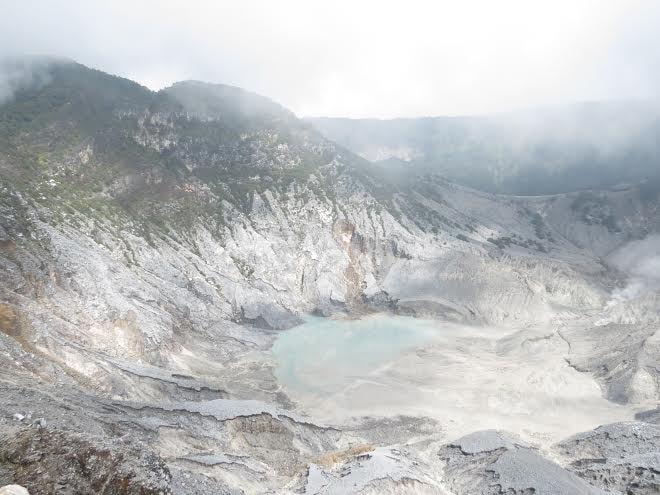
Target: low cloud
<point>18,74</point>
<point>360,59</point>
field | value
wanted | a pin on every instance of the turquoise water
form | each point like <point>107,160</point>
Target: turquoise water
<point>325,354</point>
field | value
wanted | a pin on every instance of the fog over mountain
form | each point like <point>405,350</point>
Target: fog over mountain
<point>203,293</point>
<point>368,59</point>
<point>22,73</point>
<point>542,151</point>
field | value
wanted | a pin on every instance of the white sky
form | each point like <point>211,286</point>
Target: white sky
<point>361,58</point>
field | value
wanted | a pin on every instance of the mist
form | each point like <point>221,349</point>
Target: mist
<point>20,73</point>
<point>640,260</point>
<point>373,59</point>
<point>524,99</point>
<point>545,150</point>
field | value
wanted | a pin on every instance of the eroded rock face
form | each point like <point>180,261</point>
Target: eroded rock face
<point>493,462</point>
<point>52,462</point>
<point>367,470</point>
<point>619,456</point>
<point>218,446</point>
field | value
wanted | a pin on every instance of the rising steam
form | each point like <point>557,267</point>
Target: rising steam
<point>641,261</point>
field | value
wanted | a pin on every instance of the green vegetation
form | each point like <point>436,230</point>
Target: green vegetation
<point>93,146</point>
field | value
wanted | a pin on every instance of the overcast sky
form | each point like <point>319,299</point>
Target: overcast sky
<point>361,58</point>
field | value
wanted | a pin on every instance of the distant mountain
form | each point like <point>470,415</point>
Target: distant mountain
<point>545,151</point>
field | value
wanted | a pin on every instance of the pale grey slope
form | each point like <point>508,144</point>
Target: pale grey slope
<point>491,462</point>
<point>623,357</point>
<point>621,456</point>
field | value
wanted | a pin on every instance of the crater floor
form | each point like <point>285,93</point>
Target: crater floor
<point>466,377</point>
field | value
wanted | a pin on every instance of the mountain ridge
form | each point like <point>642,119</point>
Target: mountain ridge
<point>544,151</point>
